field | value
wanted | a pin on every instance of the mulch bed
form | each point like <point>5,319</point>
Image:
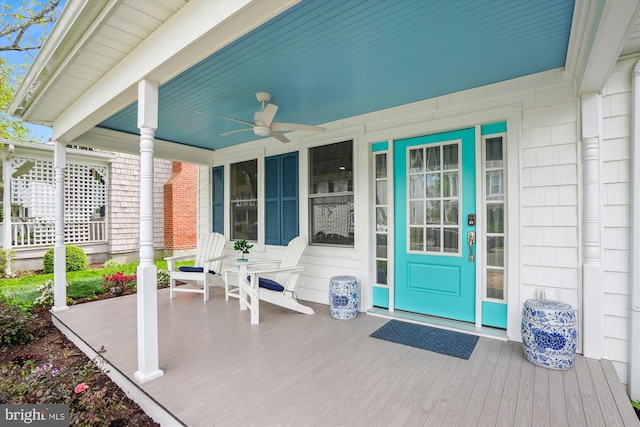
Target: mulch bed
<point>50,345</point>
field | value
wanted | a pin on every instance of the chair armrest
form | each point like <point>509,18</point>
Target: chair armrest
<point>171,261</point>
<point>262,262</point>
<point>215,258</point>
<point>179,258</point>
<point>275,270</point>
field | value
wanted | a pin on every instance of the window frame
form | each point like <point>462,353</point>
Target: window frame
<point>349,192</point>
<point>256,200</point>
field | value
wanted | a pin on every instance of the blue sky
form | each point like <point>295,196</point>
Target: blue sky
<point>40,133</point>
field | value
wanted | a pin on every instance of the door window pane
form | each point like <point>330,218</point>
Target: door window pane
<point>451,212</point>
<point>495,251</point>
<point>381,245</point>
<point>415,160</point>
<point>495,218</point>
<point>450,156</point>
<point>433,212</point>
<point>381,166</point>
<point>433,185</point>
<point>433,158</point>
<point>450,184</point>
<point>381,219</point>
<point>495,189</point>
<point>416,187</point>
<point>433,240</point>
<point>495,283</point>
<point>381,272</point>
<point>416,213</point>
<point>381,193</point>
<point>451,240</point>
<point>494,152</point>
<point>416,238</point>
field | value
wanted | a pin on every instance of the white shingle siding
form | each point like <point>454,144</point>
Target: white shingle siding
<point>616,197</point>
<point>124,203</point>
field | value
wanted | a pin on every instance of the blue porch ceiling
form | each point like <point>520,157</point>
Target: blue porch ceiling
<point>325,60</point>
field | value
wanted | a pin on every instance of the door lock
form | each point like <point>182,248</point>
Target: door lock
<point>471,219</point>
<point>471,239</point>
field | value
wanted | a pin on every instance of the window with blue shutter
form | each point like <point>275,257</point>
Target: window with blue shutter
<point>217,177</point>
<point>281,198</point>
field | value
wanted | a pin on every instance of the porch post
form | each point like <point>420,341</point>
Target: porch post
<point>7,171</point>
<point>633,376</point>
<point>59,250</point>
<point>592,271</point>
<point>147,297</point>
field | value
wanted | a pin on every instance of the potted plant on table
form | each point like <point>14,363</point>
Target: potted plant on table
<point>243,247</point>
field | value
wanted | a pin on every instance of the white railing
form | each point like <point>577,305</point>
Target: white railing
<point>43,233</point>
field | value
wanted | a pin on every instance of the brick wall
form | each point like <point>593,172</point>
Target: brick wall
<point>180,207</point>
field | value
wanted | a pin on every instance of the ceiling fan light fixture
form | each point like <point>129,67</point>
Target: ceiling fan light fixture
<point>262,130</point>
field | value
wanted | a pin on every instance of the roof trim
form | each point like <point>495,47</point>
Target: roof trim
<point>78,21</point>
<point>112,140</point>
<point>600,30</point>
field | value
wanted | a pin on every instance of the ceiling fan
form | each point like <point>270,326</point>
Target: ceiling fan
<point>263,124</point>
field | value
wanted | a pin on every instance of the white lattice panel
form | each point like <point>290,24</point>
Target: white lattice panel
<point>33,202</point>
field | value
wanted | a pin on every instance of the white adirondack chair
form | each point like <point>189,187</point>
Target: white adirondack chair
<point>258,281</point>
<point>207,269</point>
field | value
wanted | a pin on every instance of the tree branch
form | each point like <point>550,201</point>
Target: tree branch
<point>21,23</point>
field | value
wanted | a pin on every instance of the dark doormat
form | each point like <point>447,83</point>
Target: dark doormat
<point>442,341</point>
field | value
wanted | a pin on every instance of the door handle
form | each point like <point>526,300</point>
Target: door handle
<point>471,239</point>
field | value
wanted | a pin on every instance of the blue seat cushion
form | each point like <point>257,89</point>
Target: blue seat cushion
<point>188,269</point>
<point>272,285</point>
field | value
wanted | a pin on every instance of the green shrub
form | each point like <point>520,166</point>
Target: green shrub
<point>76,259</point>
<point>111,263</point>
<point>14,326</point>
<point>163,279</point>
<point>86,288</point>
<point>46,295</point>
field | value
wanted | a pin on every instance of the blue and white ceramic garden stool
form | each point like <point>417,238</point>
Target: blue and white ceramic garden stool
<point>344,297</point>
<point>549,335</point>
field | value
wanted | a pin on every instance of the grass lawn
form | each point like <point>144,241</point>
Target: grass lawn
<point>23,290</point>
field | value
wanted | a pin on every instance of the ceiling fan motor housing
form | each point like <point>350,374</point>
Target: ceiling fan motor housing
<point>261,130</point>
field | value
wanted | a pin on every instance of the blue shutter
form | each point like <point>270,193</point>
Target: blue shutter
<point>281,198</point>
<point>217,176</point>
<point>289,207</point>
<point>272,200</point>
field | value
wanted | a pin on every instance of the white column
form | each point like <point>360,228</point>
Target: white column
<point>148,365</point>
<point>7,171</point>
<point>633,378</point>
<point>59,250</point>
<point>592,272</point>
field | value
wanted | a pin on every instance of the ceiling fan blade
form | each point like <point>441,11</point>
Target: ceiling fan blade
<point>266,116</point>
<point>295,126</point>
<point>235,131</point>
<point>225,117</point>
<point>278,135</point>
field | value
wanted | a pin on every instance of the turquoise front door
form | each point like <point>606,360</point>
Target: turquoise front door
<point>435,219</point>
